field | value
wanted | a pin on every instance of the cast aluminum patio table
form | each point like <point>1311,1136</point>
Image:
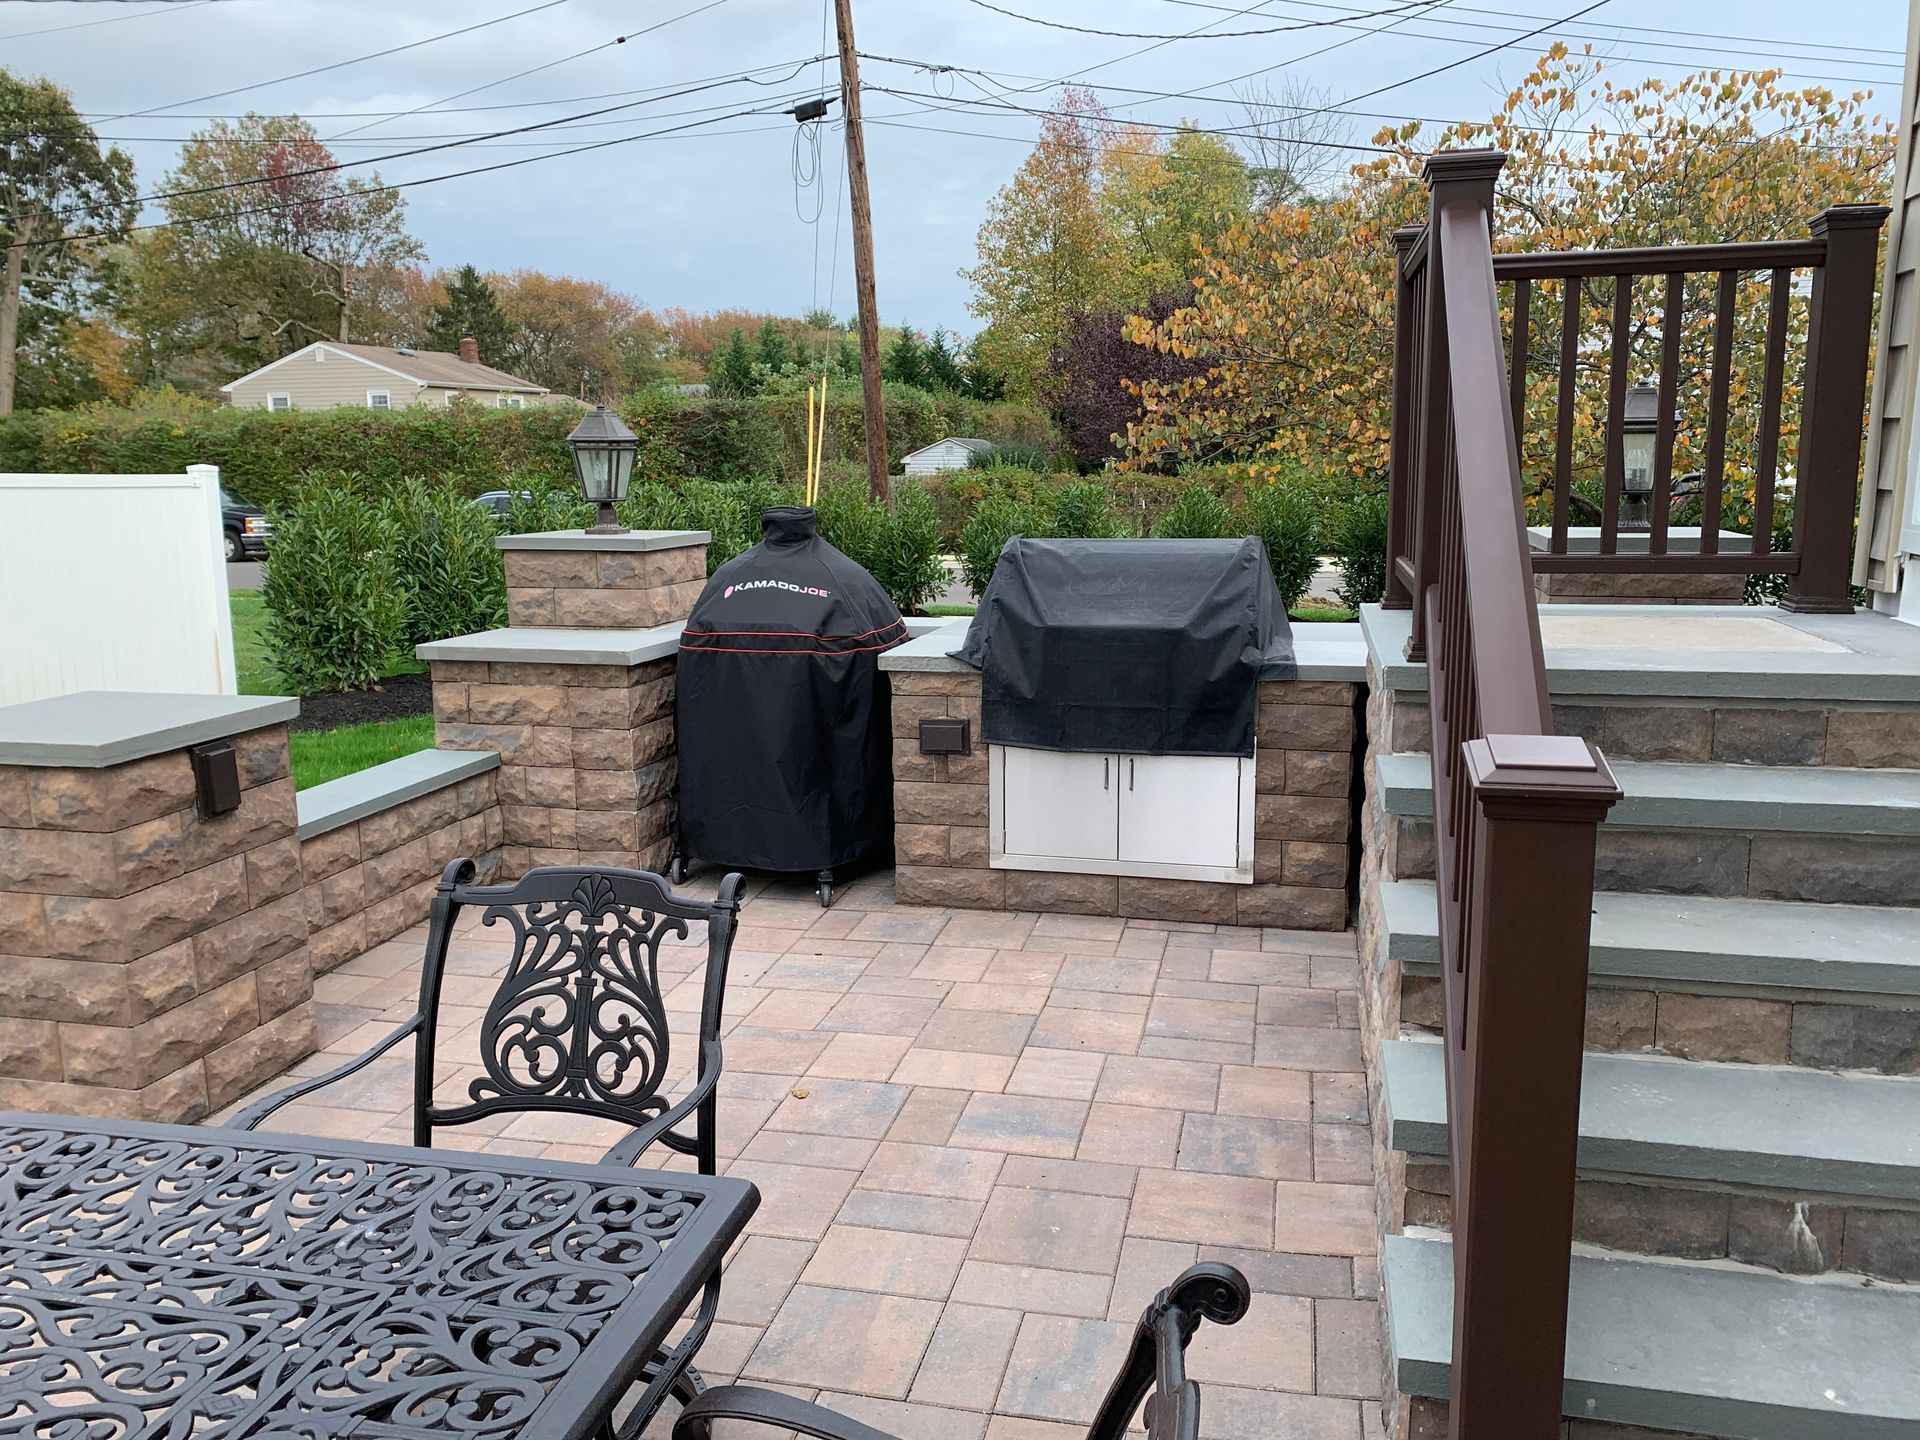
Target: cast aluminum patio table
<point>180,1281</point>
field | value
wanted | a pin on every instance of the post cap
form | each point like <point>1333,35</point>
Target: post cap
<point>1450,166</point>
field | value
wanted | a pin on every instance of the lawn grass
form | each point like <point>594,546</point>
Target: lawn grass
<point>322,755</point>
<point>256,675</point>
<point>1330,614</point>
<point>252,668</point>
<point>945,611</point>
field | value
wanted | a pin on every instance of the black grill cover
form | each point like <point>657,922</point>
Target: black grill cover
<point>786,755</point>
<point>1148,646</point>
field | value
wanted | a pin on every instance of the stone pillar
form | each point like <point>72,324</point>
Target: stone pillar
<point>1616,587</point>
<point>576,694</point>
<point>577,581</point>
<point>153,964</point>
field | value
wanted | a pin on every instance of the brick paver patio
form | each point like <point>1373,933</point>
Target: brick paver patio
<point>982,1141</point>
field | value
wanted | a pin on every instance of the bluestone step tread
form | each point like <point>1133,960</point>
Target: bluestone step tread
<point>1812,1131</point>
<point>1802,798</point>
<point>1705,1349</point>
<point>1851,949</point>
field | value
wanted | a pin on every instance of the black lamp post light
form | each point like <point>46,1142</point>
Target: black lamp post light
<point>1638,423</point>
<point>603,454</point>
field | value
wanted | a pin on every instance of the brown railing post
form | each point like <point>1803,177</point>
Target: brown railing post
<point>1833,404</point>
<point>1515,1106</point>
<point>1400,508</point>
<point>1452,176</point>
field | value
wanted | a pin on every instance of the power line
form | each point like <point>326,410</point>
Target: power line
<point>398,185</point>
<point>343,64</point>
<point>1456,64</point>
<point>339,165</point>
<point>1768,57</point>
<point>173,7</point>
<point>1187,35</point>
<point>533,70</point>
<point>1523,16</point>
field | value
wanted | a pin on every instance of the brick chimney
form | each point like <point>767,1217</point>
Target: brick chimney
<point>469,350</point>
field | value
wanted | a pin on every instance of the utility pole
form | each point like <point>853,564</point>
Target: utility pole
<point>878,484</point>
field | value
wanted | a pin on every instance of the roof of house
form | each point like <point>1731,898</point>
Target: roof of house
<point>960,440</point>
<point>424,367</point>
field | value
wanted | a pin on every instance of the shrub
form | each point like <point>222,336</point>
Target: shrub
<point>1283,516</point>
<point>539,502</point>
<point>1083,510</point>
<point>448,567</point>
<point>996,519</point>
<point>1357,540</point>
<point>900,547</point>
<point>336,606</point>
<point>1198,514</point>
<point>1010,455</point>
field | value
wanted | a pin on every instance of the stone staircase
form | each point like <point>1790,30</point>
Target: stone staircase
<point>1747,1211</point>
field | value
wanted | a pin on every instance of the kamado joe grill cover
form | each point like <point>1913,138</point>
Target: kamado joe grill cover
<point>1148,646</point>
<point>786,755</point>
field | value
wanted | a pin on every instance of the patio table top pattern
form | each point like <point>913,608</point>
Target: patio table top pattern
<point>158,1280</point>
<point>982,1141</point>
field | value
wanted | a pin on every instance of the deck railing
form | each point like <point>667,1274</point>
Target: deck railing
<point>1734,344</point>
<point>1515,813</point>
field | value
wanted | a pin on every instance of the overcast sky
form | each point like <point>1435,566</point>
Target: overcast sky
<point>710,217</point>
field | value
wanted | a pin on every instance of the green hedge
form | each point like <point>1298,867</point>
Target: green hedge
<point>266,456</point>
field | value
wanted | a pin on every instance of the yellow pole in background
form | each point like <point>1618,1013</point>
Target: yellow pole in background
<point>808,490</point>
<point>820,440</point>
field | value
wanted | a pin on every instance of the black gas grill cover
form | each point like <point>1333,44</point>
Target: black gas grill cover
<point>1149,646</point>
<point>784,723</point>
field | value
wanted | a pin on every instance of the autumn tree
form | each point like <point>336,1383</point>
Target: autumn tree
<point>265,243</point>
<point>394,304</point>
<point>1101,370</point>
<point>566,332</point>
<point>1046,251</point>
<point>470,308</point>
<point>1292,314</point>
<point>1167,203</point>
<point>61,199</point>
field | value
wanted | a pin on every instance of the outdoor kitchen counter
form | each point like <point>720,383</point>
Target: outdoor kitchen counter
<point>1322,652</point>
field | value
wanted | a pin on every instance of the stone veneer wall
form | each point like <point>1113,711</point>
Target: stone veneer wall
<point>371,878</point>
<point>1302,824</point>
<point>603,589</point>
<point>587,764</point>
<point>1561,588</point>
<point>155,964</point>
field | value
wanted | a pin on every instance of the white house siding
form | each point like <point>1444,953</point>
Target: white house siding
<point>941,455</point>
<point>326,384</point>
<point>1884,496</point>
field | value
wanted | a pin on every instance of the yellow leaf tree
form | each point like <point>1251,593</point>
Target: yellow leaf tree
<point>1293,311</point>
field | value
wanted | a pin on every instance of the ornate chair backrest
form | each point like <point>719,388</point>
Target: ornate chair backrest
<point>1157,1359</point>
<point>578,1022</point>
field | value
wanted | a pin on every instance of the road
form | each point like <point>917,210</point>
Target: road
<point>245,574</point>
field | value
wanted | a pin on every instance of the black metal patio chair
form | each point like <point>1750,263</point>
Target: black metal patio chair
<point>578,1025</point>
<point>1155,1362</point>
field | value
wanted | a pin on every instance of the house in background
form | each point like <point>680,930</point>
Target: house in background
<point>948,454</point>
<point>329,374</point>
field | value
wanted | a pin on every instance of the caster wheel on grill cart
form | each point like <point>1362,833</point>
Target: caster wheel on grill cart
<point>677,869</point>
<point>823,887</point>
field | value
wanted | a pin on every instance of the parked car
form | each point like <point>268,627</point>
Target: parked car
<point>499,503</point>
<point>245,527</point>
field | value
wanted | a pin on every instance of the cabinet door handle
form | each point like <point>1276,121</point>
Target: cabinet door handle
<point>1129,772</point>
<point>1105,774</point>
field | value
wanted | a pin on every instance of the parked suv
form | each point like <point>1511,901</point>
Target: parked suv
<point>499,503</point>
<point>245,527</point>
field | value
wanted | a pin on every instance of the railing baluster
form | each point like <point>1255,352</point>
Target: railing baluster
<point>1517,361</point>
<point>1671,320</point>
<point>1563,445</point>
<point>1766,468</point>
<point>1719,402</point>
<point>1400,453</point>
<point>1619,363</point>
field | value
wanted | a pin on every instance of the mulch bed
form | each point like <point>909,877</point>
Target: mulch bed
<point>397,697</point>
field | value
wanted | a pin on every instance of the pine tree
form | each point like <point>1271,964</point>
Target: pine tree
<point>773,346</point>
<point>942,367</point>
<point>471,308</point>
<point>731,372</point>
<point>904,363</point>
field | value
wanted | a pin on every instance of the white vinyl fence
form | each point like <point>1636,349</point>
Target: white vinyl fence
<point>113,582</point>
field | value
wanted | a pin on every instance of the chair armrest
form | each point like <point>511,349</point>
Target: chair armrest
<point>770,1408</point>
<point>629,1150</point>
<point>253,1114</point>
